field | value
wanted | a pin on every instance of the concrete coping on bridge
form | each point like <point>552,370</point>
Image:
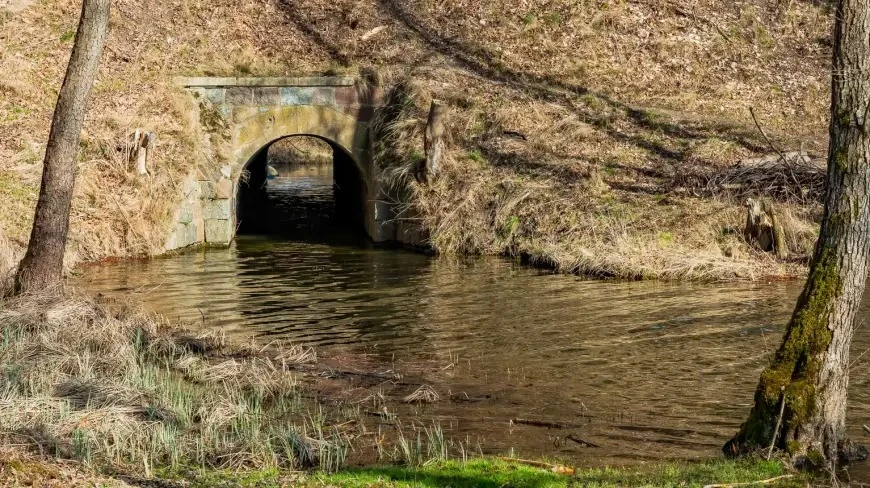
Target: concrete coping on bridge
<point>210,82</point>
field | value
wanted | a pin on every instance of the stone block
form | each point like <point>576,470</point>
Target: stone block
<point>384,211</point>
<point>346,97</point>
<point>200,230</point>
<point>241,114</point>
<point>190,187</point>
<point>224,188</point>
<point>172,242</point>
<point>265,96</point>
<point>219,231</point>
<point>239,96</point>
<point>207,190</point>
<point>180,236</point>
<point>185,213</point>
<point>296,95</point>
<point>190,234</point>
<point>324,95</point>
<point>216,209</point>
<point>216,96</point>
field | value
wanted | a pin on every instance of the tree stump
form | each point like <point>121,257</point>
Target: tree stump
<point>435,143</point>
<point>140,150</point>
<point>763,228</point>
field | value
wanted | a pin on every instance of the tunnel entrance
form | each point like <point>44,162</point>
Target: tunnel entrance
<point>303,188</point>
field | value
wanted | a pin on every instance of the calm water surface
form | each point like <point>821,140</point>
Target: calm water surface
<point>646,370</point>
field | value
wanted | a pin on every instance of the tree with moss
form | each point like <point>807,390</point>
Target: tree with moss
<point>800,403</point>
<point>42,266</point>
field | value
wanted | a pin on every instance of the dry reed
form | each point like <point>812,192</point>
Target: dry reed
<point>124,388</point>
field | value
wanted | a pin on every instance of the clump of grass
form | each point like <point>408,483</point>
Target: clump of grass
<point>125,389</point>
<point>423,394</point>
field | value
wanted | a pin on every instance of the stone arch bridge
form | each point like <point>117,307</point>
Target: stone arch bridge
<point>260,111</point>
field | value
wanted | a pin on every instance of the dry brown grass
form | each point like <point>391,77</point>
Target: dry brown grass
<point>613,100</point>
<point>110,386</point>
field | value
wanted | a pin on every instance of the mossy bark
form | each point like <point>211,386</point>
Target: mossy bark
<point>810,370</point>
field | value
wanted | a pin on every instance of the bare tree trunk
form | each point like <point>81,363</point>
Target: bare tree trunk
<point>42,266</point>
<point>810,371</point>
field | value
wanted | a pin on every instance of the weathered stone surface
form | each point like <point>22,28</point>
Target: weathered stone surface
<point>323,96</point>
<point>383,211</point>
<point>219,231</point>
<point>208,190</point>
<point>190,234</point>
<point>239,96</point>
<point>180,235</point>
<point>185,213</point>
<point>297,96</point>
<point>190,187</point>
<point>227,170</point>
<point>224,188</point>
<point>263,96</point>
<point>242,114</point>
<point>216,96</point>
<point>216,209</point>
<point>200,230</point>
<point>283,81</point>
<point>172,242</point>
<point>346,97</point>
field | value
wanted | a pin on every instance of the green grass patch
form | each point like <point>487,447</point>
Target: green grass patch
<point>483,473</point>
<point>495,473</point>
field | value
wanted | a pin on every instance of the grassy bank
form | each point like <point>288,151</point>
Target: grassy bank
<point>494,473</point>
<point>483,473</point>
<point>595,137</point>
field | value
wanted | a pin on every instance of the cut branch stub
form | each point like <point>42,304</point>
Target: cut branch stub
<point>764,229</point>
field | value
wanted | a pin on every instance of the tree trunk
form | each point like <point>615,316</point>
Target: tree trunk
<point>42,266</point>
<point>810,371</point>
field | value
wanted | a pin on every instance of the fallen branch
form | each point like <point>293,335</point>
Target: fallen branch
<point>749,483</point>
<point>368,35</point>
<point>573,438</point>
<point>543,423</point>
<point>556,468</point>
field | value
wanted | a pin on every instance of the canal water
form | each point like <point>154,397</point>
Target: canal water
<point>645,370</point>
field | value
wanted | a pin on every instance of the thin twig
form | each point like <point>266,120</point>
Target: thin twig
<point>782,155</point>
<point>573,438</point>
<point>542,423</point>
<point>778,423</point>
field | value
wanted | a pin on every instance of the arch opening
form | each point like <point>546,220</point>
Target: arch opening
<point>302,187</point>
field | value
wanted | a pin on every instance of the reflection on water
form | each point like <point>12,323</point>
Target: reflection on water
<point>646,370</point>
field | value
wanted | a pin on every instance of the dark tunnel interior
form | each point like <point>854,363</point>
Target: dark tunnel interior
<point>303,188</point>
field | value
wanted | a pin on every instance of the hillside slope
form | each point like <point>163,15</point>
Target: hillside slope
<point>578,128</point>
